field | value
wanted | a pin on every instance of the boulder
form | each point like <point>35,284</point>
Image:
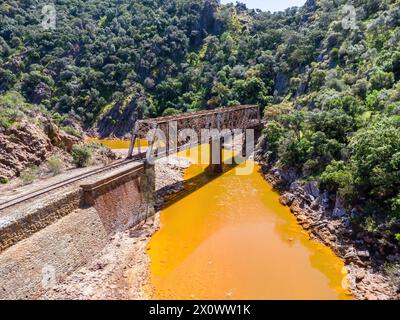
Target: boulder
<point>312,189</point>
<point>351,256</point>
<point>364,254</point>
<point>339,211</point>
<point>52,131</point>
<point>68,141</point>
<point>294,186</point>
<point>287,199</point>
<point>332,228</point>
<point>58,137</point>
<point>359,275</point>
<point>315,205</point>
<point>22,146</point>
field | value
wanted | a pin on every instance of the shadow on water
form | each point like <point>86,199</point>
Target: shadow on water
<point>193,184</point>
<point>247,221</point>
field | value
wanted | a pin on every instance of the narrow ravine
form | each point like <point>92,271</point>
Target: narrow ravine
<point>230,238</point>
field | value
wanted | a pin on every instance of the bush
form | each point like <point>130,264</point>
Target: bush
<point>170,112</point>
<point>382,80</point>
<point>338,177</point>
<point>273,132</point>
<point>317,79</point>
<point>3,180</point>
<point>55,165</point>
<point>360,88</point>
<point>373,101</point>
<point>334,54</point>
<point>72,131</point>
<point>82,155</point>
<point>375,159</point>
<point>393,272</point>
<point>370,224</point>
<point>396,206</point>
<point>29,175</point>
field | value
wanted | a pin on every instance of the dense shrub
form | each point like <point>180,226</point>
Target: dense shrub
<point>382,80</point>
<point>29,175</point>
<point>55,165</point>
<point>82,155</point>
<point>72,131</point>
<point>170,112</point>
<point>375,158</point>
<point>3,180</point>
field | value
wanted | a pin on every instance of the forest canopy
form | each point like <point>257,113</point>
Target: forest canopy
<point>326,75</point>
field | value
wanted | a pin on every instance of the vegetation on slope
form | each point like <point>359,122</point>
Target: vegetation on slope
<point>339,124</point>
<point>330,89</point>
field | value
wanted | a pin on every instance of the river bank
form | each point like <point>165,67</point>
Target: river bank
<point>228,237</point>
<point>333,227</point>
<point>121,270</point>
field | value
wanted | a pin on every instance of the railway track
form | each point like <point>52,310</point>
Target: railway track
<point>37,193</point>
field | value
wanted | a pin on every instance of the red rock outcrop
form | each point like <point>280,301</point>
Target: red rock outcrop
<point>26,144</point>
<point>58,137</point>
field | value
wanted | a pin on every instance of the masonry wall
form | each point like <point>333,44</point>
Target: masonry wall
<point>123,200</point>
<point>31,266</point>
<point>17,227</point>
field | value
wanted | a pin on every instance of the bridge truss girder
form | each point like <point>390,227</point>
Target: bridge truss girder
<point>240,117</point>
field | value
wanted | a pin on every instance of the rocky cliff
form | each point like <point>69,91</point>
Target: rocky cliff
<point>26,144</point>
<point>324,217</point>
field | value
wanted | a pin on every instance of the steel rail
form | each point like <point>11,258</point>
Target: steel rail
<point>34,194</point>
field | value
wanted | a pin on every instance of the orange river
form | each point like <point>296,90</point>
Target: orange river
<point>228,237</point>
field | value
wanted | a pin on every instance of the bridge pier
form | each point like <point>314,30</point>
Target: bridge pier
<point>216,160</point>
<point>244,151</point>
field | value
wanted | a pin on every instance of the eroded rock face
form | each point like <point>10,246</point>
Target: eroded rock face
<point>287,199</point>
<point>21,147</point>
<point>281,179</point>
<point>331,224</point>
<point>120,120</point>
<point>27,144</point>
<point>58,137</point>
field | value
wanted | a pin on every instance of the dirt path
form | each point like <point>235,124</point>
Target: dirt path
<point>120,270</point>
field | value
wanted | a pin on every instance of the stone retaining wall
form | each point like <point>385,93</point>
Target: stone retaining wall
<point>124,199</point>
<point>15,229</point>
<point>66,234</point>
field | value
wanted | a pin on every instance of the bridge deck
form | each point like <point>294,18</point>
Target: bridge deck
<point>199,114</point>
<point>239,117</point>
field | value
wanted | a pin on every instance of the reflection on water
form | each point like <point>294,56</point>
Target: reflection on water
<point>118,144</point>
<point>230,238</point>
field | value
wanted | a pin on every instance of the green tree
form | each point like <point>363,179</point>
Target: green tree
<point>82,155</point>
<point>382,80</point>
<point>375,158</point>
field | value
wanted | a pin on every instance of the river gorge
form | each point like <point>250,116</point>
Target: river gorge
<point>229,237</point>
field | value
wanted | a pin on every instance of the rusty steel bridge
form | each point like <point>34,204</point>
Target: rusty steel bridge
<point>233,118</point>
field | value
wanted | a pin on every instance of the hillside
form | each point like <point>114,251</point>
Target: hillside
<point>327,74</point>
<point>108,61</point>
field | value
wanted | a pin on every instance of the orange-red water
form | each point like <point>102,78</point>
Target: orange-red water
<point>232,239</point>
<point>118,144</point>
